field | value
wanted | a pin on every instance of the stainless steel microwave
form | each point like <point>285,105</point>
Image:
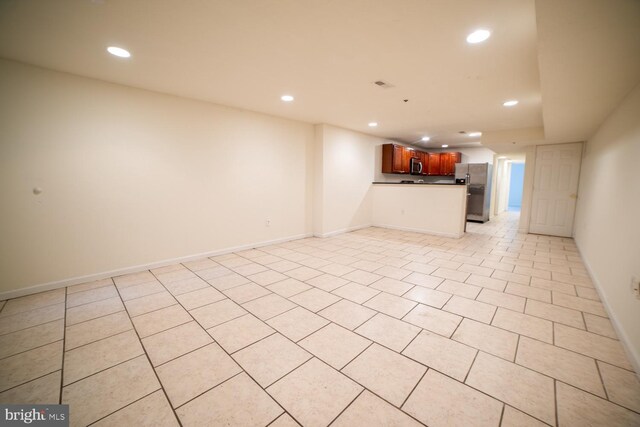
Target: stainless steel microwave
<point>415,166</point>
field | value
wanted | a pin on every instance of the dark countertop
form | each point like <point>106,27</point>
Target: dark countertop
<point>415,183</point>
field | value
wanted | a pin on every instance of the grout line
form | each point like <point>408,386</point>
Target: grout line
<point>127,405</point>
<point>64,341</point>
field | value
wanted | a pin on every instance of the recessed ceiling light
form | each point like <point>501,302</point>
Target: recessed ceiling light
<point>502,157</point>
<point>373,124</point>
<point>425,138</point>
<point>287,98</point>
<point>444,145</point>
<point>510,103</point>
<point>474,134</point>
<point>478,36</point>
<point>118,51</point>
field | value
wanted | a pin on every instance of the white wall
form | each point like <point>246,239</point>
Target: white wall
<point>607,226</point>
<point>348,165</point>
<point>132,177</point>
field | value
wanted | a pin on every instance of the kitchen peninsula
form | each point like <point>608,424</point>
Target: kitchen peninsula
<point>433,208</point>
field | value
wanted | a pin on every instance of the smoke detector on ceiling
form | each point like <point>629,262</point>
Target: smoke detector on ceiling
<point>382,84</point>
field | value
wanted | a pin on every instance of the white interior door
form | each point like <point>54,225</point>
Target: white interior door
<point>555,189</point>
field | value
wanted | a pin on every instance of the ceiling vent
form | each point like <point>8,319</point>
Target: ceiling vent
<point>382,84</point>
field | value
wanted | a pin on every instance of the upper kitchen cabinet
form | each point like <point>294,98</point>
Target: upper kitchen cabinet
<point>434,164</point>
<point>396,158</point>
<point>448,163</point>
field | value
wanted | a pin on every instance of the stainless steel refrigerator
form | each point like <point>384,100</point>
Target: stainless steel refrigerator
<point>478,179</point>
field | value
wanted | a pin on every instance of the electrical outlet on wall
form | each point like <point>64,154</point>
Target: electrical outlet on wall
<point>267,223</point>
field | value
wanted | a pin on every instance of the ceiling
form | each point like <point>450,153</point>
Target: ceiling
<point>568,62</point>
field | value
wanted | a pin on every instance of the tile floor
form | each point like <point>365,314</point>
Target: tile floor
<point>374,327</point>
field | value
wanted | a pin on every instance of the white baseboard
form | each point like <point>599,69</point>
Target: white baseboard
<point>418,230</point>
<point>15,293</point>
<point>342,231</point>
<point>632,353</point>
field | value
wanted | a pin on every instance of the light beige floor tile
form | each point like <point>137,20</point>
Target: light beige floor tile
<point>551,285</point>
<point>369,266</point>
<point>227,282</point>
<point>149,303</point>
<point>512,277</point>
<point>386,373</point>
<point>194,373</point>
<point>577,303</point>
<point>356,292</point>
<point>133,279</point>
<point>596,346</point>
<point>588,293</point>
<point>578,408</point>
<point>327,282</point>
<point>270,359</point>
<point>181,273</point>
<point>27,319</point>
<point>169,344</point>
<point>284,420</point>
<point>500,299</point>
<point>141,290</point>
<point>43,390</point>
<point>445,273</point>
<point>458,288</point>
<point>239,333</point>
<point>336,269</point>
<point>487,282</point>
<point>268,306</point>
<point>529,292</point>
<point>571,279</point>
<point>428,296</point>
<point>297,323</point>
<point>160,320</point>
<point>335,345</point>
<point>520,387</point>
<point>392,272</point>
<point>96,329</point>
<point>441,401</point>
<point>572,368</point>
<point>347,314</point>
<point>303,273</point>
<point>391,286</point>
<point>369,410</point>
<point>27,339</point>
<point>476,310</point>
<point>514,418</point>
<point>93,310</point>
<point>452,265</point>
<point>200,264</point>
<point>106,392</point>
<point>423,280</point>
<point>623,387</point>
<point>391,305</point>
<point>487,338</point>
<point>32,302</point>
<point>266,278</point>
<point>314,299</point>
<point>524,324</point>
<point>421,267</point>
<point>150,411</point>
<point>249,268</point>
<point>497,265</point>
<point>186,285</point>
<point>200,297</point>
<point>314,394</point>
<point>388,331</point>
<point>167,269</point>
<point>24,367</point>
<point>283,266</point>
<point>434,320</point>
<point>445,355</point>
<point>209,273</point>
<point>362,277</point>
<point>476,269</point>
<point>100,355</point>
<point>219,312</point>
<point>288,287</point>
<point>237,402</point>
<point>599,325</point>
<point>555,313</point>
<point>533,272</point>
<point>92,295</point>
<point>88,286</point>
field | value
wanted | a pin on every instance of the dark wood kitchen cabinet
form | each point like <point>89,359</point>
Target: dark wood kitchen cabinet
<point>448,163</point>
<point>434,164</point>
<point>394,159</point>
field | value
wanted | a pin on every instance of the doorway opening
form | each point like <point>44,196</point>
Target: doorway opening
<point>516,185</point>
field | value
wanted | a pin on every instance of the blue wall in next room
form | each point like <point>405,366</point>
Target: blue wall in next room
<point>515,185</point>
